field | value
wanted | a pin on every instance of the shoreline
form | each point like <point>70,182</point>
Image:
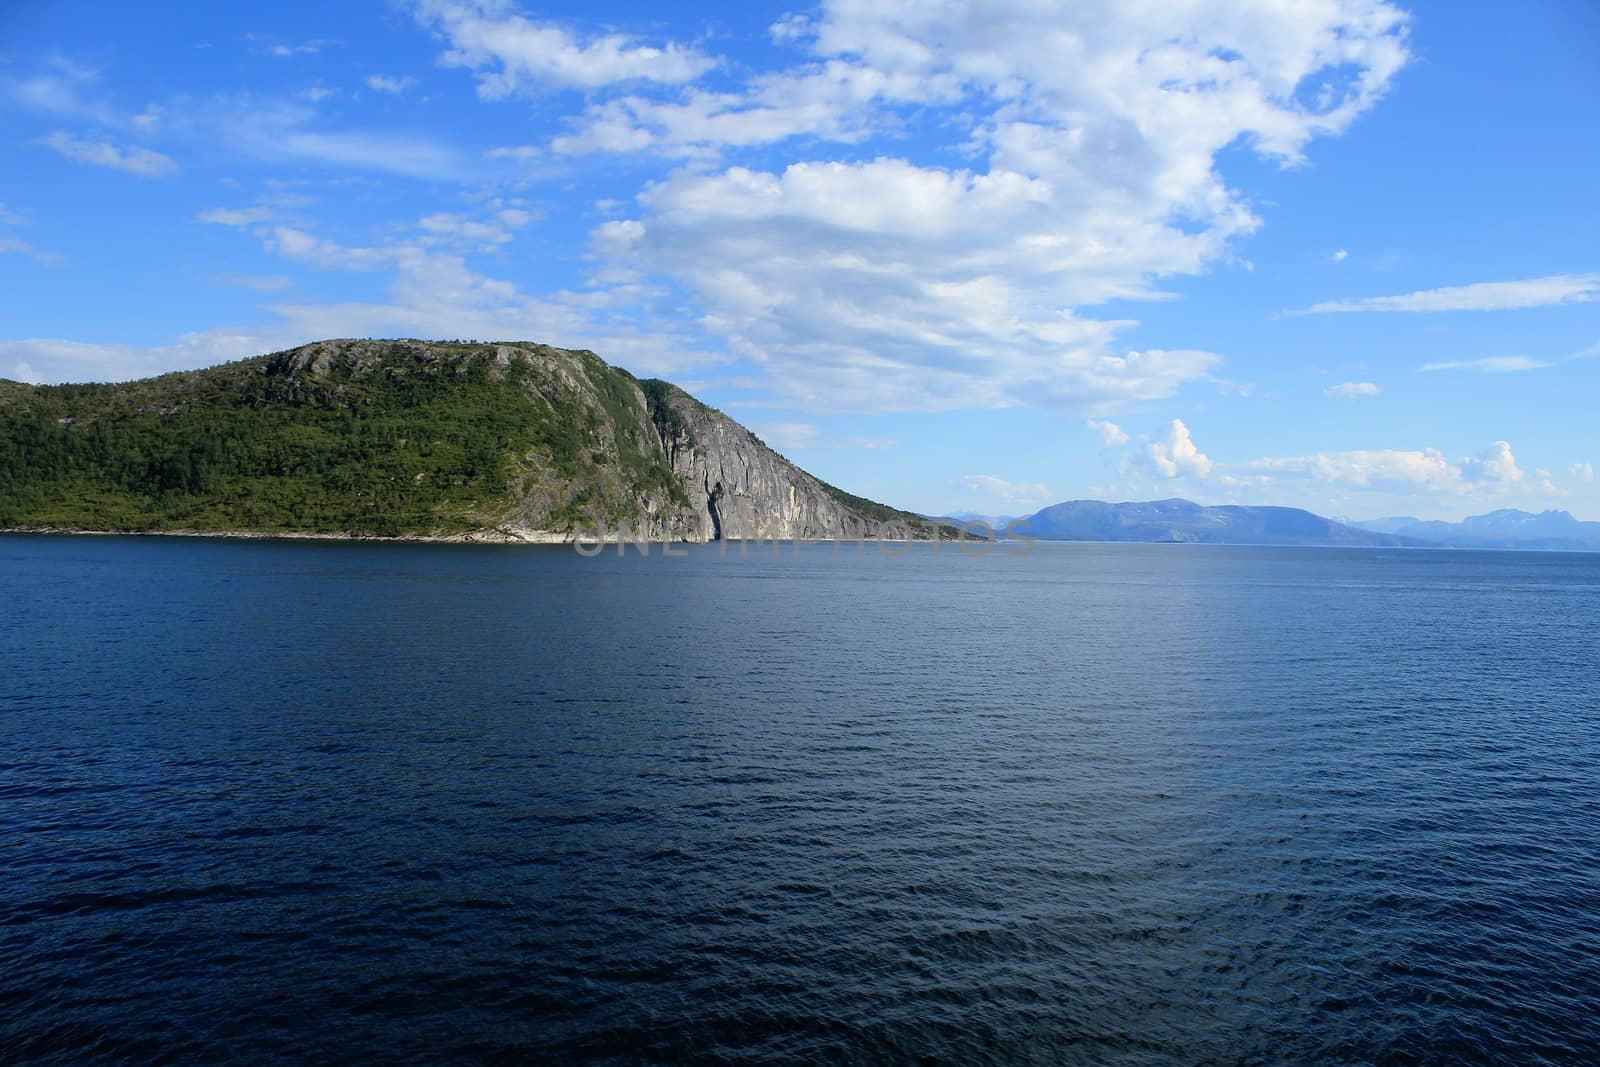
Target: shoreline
<point>481,537</point>
<point>476,537</point>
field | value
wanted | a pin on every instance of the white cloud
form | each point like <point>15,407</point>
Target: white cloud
<point>1110,433</point>
<point>511,53</point>
<point>64,89</point>
<point>790,28</point>
<point>788,435</point>
<point>280,50</point>
<point>1481,296</point>
<point>444,229</point>
<point>897,287</point>
<point>432,291</point>
<point>1496,465</point>
<point>1492,364</point>
<point>521,152</point>
<point>1492,471</point>
<point>1582,471</point>
<point>837,101</point>
<point>24,372</point>
<point>388,83</point>
<point>798,435</point>
<point>1011,492</point>
<point>53,360</point>
<point>1173,455</point>
<point>1339,256</point>
<point>292,130</point>
<point>285,133</point>
<point>241,217</point>
<point>1351,390</point>
<point>10,245</point>
<point>133,159</point>
<point>905,285</point>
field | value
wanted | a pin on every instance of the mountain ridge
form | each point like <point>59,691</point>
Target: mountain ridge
<point>1178,520</point>
<point>1502,528</point>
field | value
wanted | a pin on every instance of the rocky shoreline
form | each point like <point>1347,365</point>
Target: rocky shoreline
<point>500,536</point>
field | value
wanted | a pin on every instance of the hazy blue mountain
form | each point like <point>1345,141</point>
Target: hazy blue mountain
<point>997,523</point>
<point>1184,520</point>
<point>1392,525</point>
<point>1505,528</point>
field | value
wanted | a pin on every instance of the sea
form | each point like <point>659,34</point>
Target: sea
<point>324,802</point>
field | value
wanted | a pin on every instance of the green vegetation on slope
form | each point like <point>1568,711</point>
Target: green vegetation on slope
<point>392,444</point>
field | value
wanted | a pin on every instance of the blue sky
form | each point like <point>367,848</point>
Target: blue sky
<point>1340,254</point>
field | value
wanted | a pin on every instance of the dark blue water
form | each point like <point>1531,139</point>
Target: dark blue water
<point>327,802</point>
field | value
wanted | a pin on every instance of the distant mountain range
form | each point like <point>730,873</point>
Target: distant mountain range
<point>1506,528</point>
<point>1177,520</point>
<point>1187,522</point>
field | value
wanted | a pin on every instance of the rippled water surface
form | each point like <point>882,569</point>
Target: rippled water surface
<point>270,801</point>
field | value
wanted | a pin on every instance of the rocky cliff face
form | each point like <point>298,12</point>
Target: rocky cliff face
<point>739,489</point>
<point>623,457</point>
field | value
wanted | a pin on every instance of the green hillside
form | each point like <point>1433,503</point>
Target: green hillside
<point>407,440</point>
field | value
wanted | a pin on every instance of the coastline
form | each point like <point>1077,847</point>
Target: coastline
<point>502,537</point>
<point>499,536</point>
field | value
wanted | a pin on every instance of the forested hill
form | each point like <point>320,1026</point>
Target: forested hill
<point>407,438</point>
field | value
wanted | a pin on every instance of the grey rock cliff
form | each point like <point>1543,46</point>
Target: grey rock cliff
<point>739,489</point>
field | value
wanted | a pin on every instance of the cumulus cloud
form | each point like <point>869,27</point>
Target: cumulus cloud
<point>1011,492</point>
<point>1492,364</point>
<point>1480,296</point>
<point>511,53</point>
<point>1495,465</point>
<point>1110,433</point>
<point>904,284</point>
<point>1351,390</point>
<point>142,162</point>
<point>1582,471</point>
<point>1492,471</point>
<point>880,285</point>
<point>24,372</point>
<point>1339,257</point>
<point>1173,455</point>
<point>1386,468</point>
